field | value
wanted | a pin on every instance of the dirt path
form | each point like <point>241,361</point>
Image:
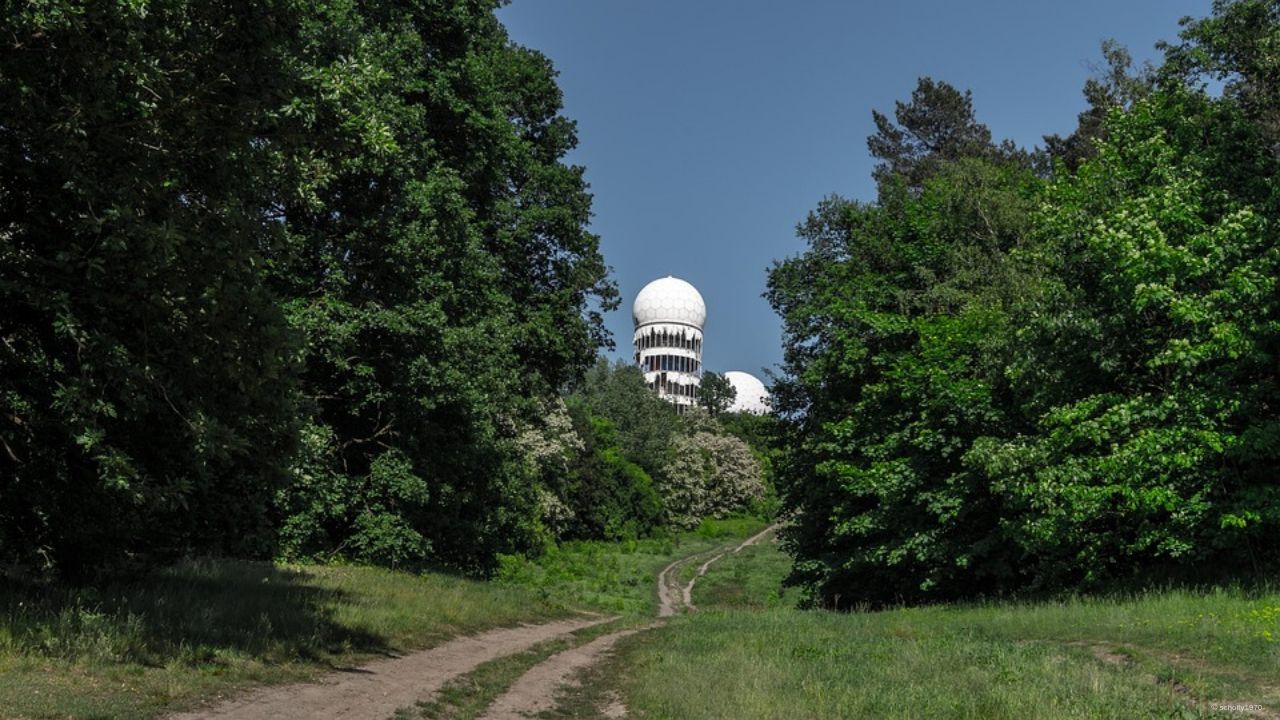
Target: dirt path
<point>535,691</point>
<point>375,691</point>
<point>674,597</point>
<point>670,594</point>
<point>686,592</point>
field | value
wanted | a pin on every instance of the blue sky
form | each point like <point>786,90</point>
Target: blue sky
<point>709,128</point>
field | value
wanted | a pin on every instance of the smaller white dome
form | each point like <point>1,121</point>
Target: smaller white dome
<point>669,299</point>
<point>752,396</point>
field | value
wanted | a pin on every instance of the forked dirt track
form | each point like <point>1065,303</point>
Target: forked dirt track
<point>674,597</point>
<point>686,593</point>
<point>377,690</point>
<point>536,690</point>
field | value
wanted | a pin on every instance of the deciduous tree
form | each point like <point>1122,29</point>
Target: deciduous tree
<point>146,373</point>
<point>715,393</point>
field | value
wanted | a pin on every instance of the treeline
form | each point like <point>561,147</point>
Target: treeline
<point>299,278</point>
<point>1035,371</point>
<point>633,466</point>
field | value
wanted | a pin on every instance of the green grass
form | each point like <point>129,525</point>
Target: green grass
<point>470,695</point>
<point>206,629</point>
<point>615,577</point>
<point>1171,653</point>
<point>748,579</point>
<point>203,629</point>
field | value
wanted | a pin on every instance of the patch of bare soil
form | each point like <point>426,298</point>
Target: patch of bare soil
<point>535,691</point>
<point>670,596</point>
<point>1109,656</point>
<point>378,689</point>
<point>1120,655</point>
<point>614,709</point>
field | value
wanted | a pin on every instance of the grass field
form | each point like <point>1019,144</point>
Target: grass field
<point>749,654</point>
<point>201,629</point>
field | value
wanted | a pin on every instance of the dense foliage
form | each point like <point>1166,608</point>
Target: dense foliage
<point>1002,378</point>
<point>439,269</point>
<point>644,466</point>
<point>712,474</point>
<point>147,374</point>
<point>715,393</point>
<point>294,271</point>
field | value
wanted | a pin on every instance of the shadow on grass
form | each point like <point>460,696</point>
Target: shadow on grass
<point>200,612</point>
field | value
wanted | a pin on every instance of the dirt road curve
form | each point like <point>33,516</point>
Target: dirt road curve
<point>670,598</point>
<point>686,593</point>
<point>376,690</point>
<point>535,691</point>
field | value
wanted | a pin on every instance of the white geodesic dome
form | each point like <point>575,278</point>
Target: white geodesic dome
<point>669,300</point>
<point>752,396</point>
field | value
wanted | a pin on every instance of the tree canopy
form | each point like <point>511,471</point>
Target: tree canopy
<point>715,393</point>
<point>147,374</point>
<point>1001,380</point>
<point>294,271</point>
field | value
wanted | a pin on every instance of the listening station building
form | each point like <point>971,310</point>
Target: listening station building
<point>669,314</point>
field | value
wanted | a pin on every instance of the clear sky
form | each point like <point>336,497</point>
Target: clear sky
<point>709,128</point>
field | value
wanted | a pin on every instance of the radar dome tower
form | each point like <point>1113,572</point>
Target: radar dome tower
<point>752,397</point>
<point>669,314</point>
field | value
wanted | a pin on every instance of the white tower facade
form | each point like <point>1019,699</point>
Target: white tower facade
<point>669,315</point>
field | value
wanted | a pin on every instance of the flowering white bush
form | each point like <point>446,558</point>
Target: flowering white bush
<point>548,448</point>
<point>550,444</point>
<point>710,475</point>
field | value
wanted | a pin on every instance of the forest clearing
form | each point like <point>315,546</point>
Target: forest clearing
<point>371,360</point>
<point>746,651</point>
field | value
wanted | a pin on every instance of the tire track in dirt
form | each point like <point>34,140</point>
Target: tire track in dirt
<point>376,690</point>
<point>670,594</point>
<point>686,592</point>
<point>536,690</point>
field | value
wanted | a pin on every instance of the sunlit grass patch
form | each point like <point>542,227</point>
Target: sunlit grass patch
<point>748,654</point>
<point>786,664</point>
<point>616,576</point>
<point>204,628</point>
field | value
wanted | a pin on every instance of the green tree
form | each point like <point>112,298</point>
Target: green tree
<point>712,473</point>
<point>440,270</point>
<point>897,330</point>
<point>1119,85</point>
<point>1234,46</point>
<point>645,423</point>
<point>996,385</point>
<point>716,393</point>
<point>937,125</point>
<point>146,373</point>
<point>609,497</point>
<point>896,334</point>
<point>1149,364</point>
